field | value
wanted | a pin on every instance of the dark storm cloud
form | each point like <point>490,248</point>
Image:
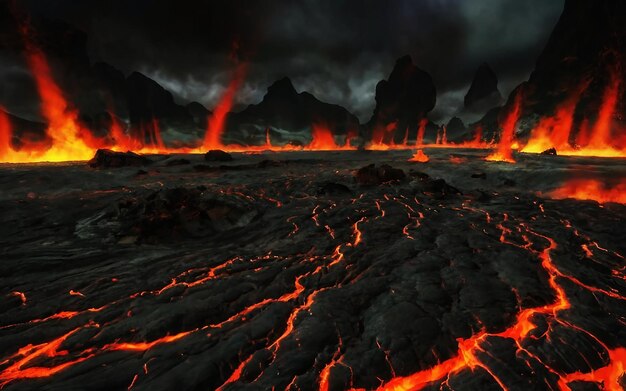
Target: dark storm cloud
<point>338,50</point>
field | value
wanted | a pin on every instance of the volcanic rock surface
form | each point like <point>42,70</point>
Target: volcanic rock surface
<point>281,271</point>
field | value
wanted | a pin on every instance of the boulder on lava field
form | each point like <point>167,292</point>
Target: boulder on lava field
<point>105,158</point>
<point>170,214</point>
<point>418,174</point>
<point>372,175</point>
<point>332,188</point>
<point>217,155</point>
<point>551,151</point>
<point>436,187</point>
<point>508,182</point>
<point>479,175</point>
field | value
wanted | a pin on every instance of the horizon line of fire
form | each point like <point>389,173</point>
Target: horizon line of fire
<point>68,140</point>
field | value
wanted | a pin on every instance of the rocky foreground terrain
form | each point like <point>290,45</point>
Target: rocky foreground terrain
<point>295,271</point>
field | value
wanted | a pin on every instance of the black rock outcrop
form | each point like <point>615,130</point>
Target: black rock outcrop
<point>217,155</point>
<point>199,113</point>
<point>288,116</point>
<point>455,129</point>
<point>105,158</point>
<point>402,101</point>
<point>483,93</point>
<point>372,175</point>
<point>148,101</point>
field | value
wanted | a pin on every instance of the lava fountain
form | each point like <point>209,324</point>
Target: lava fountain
<point>215,125</point>
<point>5,135</point>
<point>420,131</point>
<point>600,140</point>
<point>419,157</point>
<point>323,139</point>
<point>63,129</point>
<point>554,131</point>
<point>504,151</point>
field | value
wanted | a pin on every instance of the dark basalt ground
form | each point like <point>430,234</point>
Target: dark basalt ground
<point>280,271</point>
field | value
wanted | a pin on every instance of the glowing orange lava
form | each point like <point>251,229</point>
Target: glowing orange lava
<point>523,326</point>
<point>325,373</point>
<point>601,137</point>
<point>504,151</point>
<point>123,141</point>
<point>554,131</point>
<point>478,135</point>
<point>420,131</point>
<point>600,140</point>
<point>591,189</point>
<point>65,134</point>
<point>215,126</point>
<point>67,140</point>
<point>609,375</point>
<point>20,369</point>
<point>6,133</point>
<point>419,157</point>
<point>323,139</point>
<point>143,346</point>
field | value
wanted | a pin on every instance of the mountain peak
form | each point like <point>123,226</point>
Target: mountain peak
<point>281,88</point>
<point>484,88</point>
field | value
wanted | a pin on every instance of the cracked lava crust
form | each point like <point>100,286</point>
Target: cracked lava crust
<point>289,274</point>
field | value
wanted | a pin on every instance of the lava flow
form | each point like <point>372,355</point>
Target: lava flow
<point>466,357</point>
<point>504,150</point>
<point>279,312</point>
<point>591,189</point>
<point>603,141</point>
<point>20,369</point>
<point>323,140</point>
<point>600,140</point>
<point>419,157</point>
<point>371,229</point>
<point>420,132</point>
<point>6,134</point>
<point>216,122</point>
<point>69,141</point>
<point>554,131</point>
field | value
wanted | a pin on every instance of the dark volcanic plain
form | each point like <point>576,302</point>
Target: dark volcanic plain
<point>281,271</point>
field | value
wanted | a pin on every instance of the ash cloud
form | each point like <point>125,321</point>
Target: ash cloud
<point>337,50</point>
